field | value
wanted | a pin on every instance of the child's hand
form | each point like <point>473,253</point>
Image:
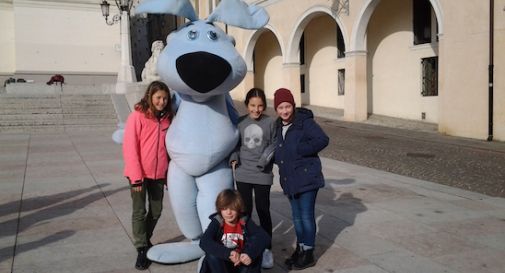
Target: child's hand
<point>233,164</point>
<point>137,187</point>
<point>234,257</point>
<point>245,259</point>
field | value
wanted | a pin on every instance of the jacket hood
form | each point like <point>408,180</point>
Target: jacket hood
<point>220,219</point>
<point>302,114</point>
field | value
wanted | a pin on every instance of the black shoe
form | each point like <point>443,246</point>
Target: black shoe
<point>305,260</point>
<point>142,261</point>
<point>291,260</point>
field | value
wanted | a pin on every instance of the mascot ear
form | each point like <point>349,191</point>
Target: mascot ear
<point>175,7</point>
<point>237,13</point>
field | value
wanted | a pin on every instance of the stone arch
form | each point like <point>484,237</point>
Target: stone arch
<point>307,16</point>
<point>251,44</point>
<point>360,26</point>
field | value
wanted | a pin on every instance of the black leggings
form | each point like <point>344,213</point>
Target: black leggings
<point>262,200</point>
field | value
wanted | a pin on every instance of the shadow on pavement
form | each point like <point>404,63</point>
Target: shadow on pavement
<point>53,211</point>
<point>8,252</point>
<point>43,201</point>
<point>334,212</point>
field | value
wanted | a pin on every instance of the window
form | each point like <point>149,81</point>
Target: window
<point>430,76</point>
<point>340,44</point>
<point>422,21</point>
<point>212,5</point>
<point>341,82</point>
<point>302,83</point>
<point>254,60</point>
<point>302,49</point>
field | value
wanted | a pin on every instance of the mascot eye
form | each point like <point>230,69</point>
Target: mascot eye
<point>192,34</point>
<point>212,35</point>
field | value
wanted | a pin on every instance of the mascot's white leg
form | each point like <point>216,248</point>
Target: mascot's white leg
<point>192,201</point>
<point>182,191</point>
<point>209,186</point>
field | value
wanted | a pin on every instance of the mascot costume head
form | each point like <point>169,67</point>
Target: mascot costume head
<point>200,63</point>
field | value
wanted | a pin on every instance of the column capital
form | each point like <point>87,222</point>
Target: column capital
<point>356,53</point>
<point>287,65</point>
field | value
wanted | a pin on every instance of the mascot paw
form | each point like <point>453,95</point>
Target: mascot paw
<point>174,253</point>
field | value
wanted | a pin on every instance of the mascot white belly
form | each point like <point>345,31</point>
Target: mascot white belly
<point>197,151</point>
<point>201,64</point>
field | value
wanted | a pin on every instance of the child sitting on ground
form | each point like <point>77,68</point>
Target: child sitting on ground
<point>232,243</point>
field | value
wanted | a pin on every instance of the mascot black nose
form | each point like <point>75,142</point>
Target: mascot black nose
<point>202,71</point>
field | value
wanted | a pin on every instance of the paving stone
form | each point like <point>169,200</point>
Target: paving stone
<point>477,260</point>
<point>365,244</point>
<point>433,244</point>
<point>360,269</point>
<point>391,228</point>
<point>407,262</point>
<point>495,240</point>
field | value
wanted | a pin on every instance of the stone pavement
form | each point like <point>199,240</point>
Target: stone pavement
<point>64,207</point>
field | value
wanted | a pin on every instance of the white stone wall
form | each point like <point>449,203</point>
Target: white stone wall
<point>68,37</point>
<point>7,49</point>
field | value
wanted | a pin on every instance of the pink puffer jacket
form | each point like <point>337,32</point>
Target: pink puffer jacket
<point>144,151</point>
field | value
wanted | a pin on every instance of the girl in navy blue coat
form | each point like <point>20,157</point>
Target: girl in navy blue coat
<point>299,140</point>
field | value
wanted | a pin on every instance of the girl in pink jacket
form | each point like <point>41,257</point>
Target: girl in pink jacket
<point>146,163</point>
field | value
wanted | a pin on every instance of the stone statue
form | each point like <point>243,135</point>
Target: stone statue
<point>150,73</point>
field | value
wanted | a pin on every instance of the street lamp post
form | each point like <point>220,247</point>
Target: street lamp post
<point>126,73</point>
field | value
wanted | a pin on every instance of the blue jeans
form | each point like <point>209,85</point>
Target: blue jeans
<point>302,209</point>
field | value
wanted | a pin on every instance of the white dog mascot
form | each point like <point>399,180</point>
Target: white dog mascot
<point>202,65</point>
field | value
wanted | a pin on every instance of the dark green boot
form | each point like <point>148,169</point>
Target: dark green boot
<point>142,262</point>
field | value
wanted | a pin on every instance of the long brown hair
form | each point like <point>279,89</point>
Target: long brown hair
<point>145,105</point>
<point>230,199</point>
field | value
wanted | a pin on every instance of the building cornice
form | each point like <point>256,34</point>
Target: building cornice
<point>263,3</point>
<point>57,4</point>
<point>5,3</point>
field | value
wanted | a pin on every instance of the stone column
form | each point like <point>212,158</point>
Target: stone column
<point>291,80</point>
<point>355,100</point>
<point>126,72</point>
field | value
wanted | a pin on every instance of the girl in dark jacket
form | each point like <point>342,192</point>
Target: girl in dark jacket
<point>232,243</point>
<point>299,140</point>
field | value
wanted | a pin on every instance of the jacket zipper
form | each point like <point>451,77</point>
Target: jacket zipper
<point>157,152</point>
<point>283,144</point>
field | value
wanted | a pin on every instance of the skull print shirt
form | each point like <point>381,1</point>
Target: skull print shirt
<point>255,150</point>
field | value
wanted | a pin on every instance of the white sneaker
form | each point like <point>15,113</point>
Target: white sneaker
<point>268,259</point>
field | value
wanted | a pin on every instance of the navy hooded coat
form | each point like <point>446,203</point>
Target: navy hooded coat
<point>297,153</point>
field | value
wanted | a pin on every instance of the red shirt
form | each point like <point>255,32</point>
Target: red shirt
<point>233,237</point>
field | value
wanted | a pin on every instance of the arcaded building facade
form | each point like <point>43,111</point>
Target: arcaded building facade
<point>435,61</point>
<point>425,60</point>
